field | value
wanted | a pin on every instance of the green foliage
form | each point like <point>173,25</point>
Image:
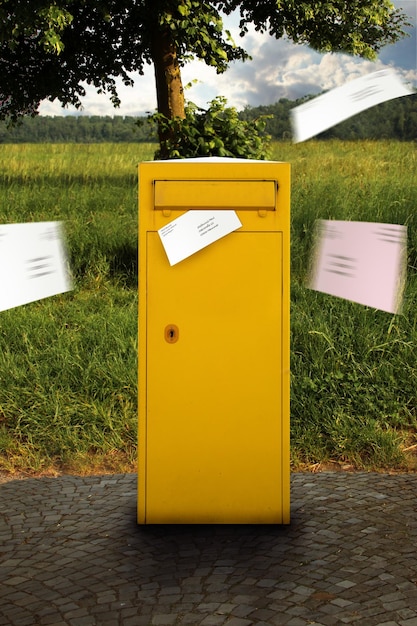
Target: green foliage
<point>359,28</point>
<point>54,20</point>
<point>42,18</point>
<point>68,364</point>
<point>215,131</point>
<point>197,31</point>
<point>353,393</point>
<point>50,48</point>
<point>78,129</point>
<point>395,119</point>
<point>69,390</point>
<point>352,398</point>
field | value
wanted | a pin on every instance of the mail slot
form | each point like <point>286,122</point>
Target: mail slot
<point>214,348</point>
<point>203,194</point>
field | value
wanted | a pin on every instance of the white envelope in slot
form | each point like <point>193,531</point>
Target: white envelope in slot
<point>195,230</point>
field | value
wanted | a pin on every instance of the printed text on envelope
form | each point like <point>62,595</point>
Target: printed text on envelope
<point>195,230</point>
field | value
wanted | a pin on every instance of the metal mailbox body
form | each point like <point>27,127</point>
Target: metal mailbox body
<point>214,347</point>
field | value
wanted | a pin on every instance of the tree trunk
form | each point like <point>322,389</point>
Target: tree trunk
<point>169,89</point>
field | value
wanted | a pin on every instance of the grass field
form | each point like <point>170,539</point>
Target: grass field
<point>68,393</point>
<point>353,368</point>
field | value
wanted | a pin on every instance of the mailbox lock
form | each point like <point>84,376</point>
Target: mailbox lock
<point>171,333</point>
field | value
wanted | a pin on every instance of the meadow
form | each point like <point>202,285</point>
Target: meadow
<point>68,364</point>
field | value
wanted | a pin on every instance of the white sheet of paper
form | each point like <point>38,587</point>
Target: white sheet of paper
<point>315,116</point>
<point>195,230</point>
<point>361,261</point>
<point>33,263</point>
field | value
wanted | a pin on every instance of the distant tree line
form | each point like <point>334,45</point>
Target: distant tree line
<point>79,129</point>
<point>396,119</point>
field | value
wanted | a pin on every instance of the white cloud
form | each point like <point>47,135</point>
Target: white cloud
<point>135,100</point>
<point>279,69</point>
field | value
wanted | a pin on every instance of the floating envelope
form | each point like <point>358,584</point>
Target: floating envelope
<point>33,263</point>
<point>315,116</point>
<point>360,261</point>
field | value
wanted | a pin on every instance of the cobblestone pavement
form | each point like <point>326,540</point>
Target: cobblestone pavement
<point>72,554</point>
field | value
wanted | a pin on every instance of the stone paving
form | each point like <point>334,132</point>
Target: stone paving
<point>72,554</point>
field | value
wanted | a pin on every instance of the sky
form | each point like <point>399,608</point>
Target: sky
<point>278,69</point>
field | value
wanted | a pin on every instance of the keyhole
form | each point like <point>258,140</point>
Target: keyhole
<point>171,333</point>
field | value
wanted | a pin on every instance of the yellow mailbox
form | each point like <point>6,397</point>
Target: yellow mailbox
<point>214,347</point>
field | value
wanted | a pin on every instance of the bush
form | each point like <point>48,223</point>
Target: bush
<point>216,131</point>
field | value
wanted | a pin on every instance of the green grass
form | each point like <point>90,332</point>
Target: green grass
<point>353,394</point>
<point>68,364</point>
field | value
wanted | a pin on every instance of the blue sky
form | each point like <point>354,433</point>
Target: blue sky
<point>279,69</point>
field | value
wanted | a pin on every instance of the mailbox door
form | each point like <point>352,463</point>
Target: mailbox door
<point>214,404</point>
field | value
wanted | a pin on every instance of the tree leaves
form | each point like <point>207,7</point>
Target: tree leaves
<point>49,49</point>
<point>215,131</point>
<point>56,20</point>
